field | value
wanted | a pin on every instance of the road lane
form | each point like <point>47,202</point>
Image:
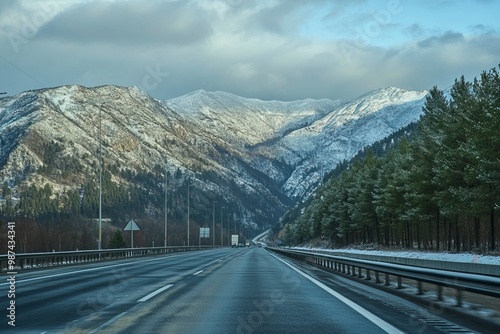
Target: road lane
<point>54,299</point>
<point>250,293</point>
<point>244,290</point>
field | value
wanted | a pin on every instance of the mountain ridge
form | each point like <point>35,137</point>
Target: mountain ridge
<point>272,152</point>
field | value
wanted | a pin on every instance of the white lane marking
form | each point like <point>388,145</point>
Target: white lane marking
<point>198,272</point>
<point>90,269</point>
<point>80,271</point>
<point>108,322</point>
<point>387,327</point>
<point>154,293</point>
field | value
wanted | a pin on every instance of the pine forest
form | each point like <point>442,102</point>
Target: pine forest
<point>437,189</point>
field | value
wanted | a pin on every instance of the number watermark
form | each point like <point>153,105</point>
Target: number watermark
<point>11,273</point>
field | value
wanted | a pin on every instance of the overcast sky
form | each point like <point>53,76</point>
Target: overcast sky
<point>268,49</point>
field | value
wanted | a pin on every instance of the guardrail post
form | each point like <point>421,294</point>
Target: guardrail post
<point>421,290</point>
<point>368,277</point>
<point>387,280</point>
<point>440,292</point>
<point>377,277</point>
<point>459,297</point>
<point>400,283</point>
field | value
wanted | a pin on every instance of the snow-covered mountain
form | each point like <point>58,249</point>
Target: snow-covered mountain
<point>248,121</point>
<point>271,152</point>
<point>310,136</point>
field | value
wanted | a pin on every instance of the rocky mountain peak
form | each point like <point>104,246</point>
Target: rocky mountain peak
<point>270,153</point>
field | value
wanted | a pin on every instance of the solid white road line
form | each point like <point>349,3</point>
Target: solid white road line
<point>198,272</point>
<point>154,293</point>
<point>387,327</point>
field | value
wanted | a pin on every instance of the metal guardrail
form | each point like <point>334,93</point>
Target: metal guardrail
<point>467,267</point>
<point>41,260</point>
<point>477,283</point>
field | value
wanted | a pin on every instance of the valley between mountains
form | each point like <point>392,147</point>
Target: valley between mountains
<point>254,158</point>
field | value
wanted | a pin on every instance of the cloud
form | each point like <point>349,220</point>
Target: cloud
<point>271,49</point>
<point>7,5</point>
<point>446,38</point>
<point>482,29</point>
<point>415,30</point>
<point>129,22</point>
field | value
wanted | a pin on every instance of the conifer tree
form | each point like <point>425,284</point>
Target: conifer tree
<point>117,241</point>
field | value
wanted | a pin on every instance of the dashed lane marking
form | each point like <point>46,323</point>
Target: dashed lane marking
<point>154,293</point>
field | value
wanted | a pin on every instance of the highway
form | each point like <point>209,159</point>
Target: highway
<point>240,290</point>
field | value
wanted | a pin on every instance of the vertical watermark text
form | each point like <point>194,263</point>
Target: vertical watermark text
<point>11,273</point>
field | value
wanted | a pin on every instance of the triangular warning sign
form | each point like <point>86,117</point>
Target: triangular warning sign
<point>131,226</point>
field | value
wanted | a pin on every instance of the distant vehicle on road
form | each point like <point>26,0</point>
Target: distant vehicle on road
<point>234,240</point>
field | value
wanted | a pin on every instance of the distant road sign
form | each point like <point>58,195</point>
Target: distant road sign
<point>204,232</point>
<point>131,226</point>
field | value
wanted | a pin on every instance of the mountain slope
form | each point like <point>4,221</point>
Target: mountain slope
<point>248,121</point>
<point>258,156</point>
<point>310,137</point>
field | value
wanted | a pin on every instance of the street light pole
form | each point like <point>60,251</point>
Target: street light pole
<point>221,238</point>
<point>228,234</point>
<point>189,186</point>
<point>99,246</point>
<point>213,224</point>
<point>166,162</point>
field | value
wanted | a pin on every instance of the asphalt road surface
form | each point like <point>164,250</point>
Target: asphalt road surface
<point>241,290</point>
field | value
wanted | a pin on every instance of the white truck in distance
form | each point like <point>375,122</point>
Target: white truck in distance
<point>234,240</point>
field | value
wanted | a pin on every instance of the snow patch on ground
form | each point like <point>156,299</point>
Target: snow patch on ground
<point>451,257</point>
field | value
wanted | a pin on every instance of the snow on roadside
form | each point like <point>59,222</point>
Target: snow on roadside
<point>461,257</point>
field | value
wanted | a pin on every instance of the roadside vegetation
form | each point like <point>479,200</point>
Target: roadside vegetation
<point>437,189</point>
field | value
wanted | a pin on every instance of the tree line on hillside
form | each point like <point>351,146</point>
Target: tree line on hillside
<point>48,220</point>
<point>438,190</point>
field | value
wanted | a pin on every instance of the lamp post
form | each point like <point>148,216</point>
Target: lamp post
<point>228,234</point>
<point>165,241</point>
<point>189,186</point>
<point>221,238</point>
<point>213,224</point>
<point>99,245</point>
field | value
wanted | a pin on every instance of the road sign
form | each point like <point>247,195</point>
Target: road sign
<point>131,226</point>
<point>204,232</point>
